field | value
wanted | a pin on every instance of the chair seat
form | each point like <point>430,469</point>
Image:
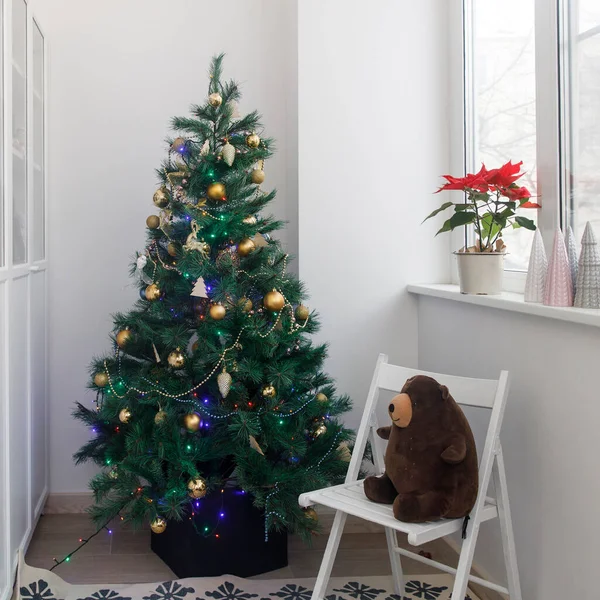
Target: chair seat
<point>350,498</point>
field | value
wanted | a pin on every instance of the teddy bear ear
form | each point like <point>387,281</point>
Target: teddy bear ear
<point>445,392</point>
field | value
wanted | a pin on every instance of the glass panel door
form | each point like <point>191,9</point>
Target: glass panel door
<point>39,201</point>
<point>19,131</point>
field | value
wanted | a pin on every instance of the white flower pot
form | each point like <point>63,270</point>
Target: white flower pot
<point>480,272</point>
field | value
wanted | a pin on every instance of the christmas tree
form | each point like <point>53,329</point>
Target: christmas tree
<point>213,381</point>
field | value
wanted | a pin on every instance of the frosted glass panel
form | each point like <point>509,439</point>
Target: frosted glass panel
<point>39,200</point>
<point>19,141</point>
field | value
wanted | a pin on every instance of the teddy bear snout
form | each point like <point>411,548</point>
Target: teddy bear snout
<point>400,409</point>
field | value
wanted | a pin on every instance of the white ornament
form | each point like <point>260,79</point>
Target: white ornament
<point>572,254</point>
<point>228,153</point>
<point>535,284</point>
<point>199,290</point>
<point>224,382</point>
<point>142,261</point>
<point>588,277</point>
<point>205,148</point>
<point>559,288</point>
<point>235,110</point>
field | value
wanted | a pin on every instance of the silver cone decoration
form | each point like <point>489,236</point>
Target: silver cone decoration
<point>588,277</point>
<point>535,284</point>
<point>228,153</point>
<point>205,148</point>
<point>559,288</point>
<point>224,382</point>
<point>572,254</point>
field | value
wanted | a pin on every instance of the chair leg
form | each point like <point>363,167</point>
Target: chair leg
<point>506,528</point>
<point>465,561</point>
<point>390,536</point>
<point>329,557</point>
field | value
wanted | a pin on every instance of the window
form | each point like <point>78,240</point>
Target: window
<point>580,101</point>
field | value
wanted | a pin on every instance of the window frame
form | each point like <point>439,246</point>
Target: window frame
<point>550,125</point>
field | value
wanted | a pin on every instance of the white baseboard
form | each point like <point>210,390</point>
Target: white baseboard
<point>62,504</point>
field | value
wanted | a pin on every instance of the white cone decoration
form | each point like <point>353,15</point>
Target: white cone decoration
<point>559,288</point>
<point>588,278</point>
<point>228,153</point>
<point>535,285</point>
<point>572,254</point>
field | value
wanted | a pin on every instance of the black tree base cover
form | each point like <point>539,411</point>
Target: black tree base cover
<point>194,547</point>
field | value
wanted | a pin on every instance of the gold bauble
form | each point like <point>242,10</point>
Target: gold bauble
<point>216,191</point>
<point>274,301</point>
<point>215,99</point>
<point>161,197</point>
<point>192,422</point>
<point>152,292</point>
<point>159,417</point>
<point>246,246</point>
<point>124,415</point>
<point>251,220</point>
<point>176,359</point>
<point>123,337</point>
<point>196,487</point>
<point>172,249</point>
<point>269,391</point>
<point>311,513</point>
<point>101,379</point>
<point>158,525</point>
<point>253,140</point>
<point>217,311</point>
<point>257,176</point>
<point>320,430</point>
<point>153,222</point>
<point>302,312</point>
<point>245,304</point>
<point>321,397</point>
<point>178,144</point>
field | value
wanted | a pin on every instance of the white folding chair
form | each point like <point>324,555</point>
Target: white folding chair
<point>349,498</point>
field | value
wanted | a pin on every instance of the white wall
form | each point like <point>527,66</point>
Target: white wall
<point>118,71</point>
<point>373,141</point>
<point>549,436</point>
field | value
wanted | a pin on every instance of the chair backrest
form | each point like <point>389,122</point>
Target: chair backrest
<point>483,393</point>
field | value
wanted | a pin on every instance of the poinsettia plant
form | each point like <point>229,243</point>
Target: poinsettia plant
<point>492,198</point>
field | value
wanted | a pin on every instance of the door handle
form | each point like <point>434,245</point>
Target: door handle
<point>34,268</point>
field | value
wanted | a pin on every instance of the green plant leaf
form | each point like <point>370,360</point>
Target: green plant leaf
<point>525,222</point>
<point>456,220</point>
<point>437,210</point>
<point>458,207</point>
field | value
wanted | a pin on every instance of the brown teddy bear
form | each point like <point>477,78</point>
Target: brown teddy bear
<point>431,460</point>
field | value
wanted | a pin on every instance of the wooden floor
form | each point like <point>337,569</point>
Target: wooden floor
<point>125,556</point>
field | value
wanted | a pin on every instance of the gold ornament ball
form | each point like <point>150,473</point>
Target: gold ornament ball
<point>124,415</point>
<point>321,397</point>
<point>320,430</point>
<point>172,249</point>
<point>161,197</point>
<point>311,513</point>
<point>158,525</point>
<point>269,391</point>
<point>302,312</point>
<point>123,337</point>
<point>274,301</point>
<point>253,141</point>
<point>215,99</point>
<point>246,246</point>
<point>152,293</point>
<point>245,304</point>
<point>176,359</point>
<point>159,417</point>
<point>196,487</point>
<point>216,191</point>
<point>101,379</point>
<point>178,144</point>
<point>217,312</point>
<point>153,222</point>
<point>192,422</point>
<point>257,176</point>
<point>251,220</point>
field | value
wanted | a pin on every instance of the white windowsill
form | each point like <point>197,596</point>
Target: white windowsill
<point>509,301</point>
